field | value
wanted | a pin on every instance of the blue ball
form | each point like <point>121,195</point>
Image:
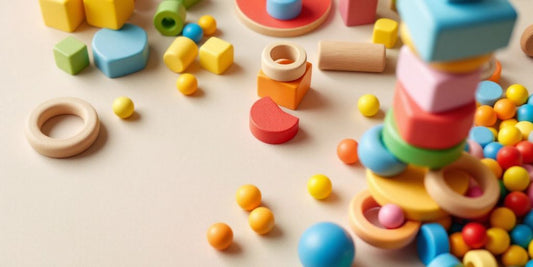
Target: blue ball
<point>529,263</point>
<point>488,92</point>
<point>525,113</point>
<point>528,219</point>
<point>521,235</point>
<point>193,31</point>
<point>491,150</point>
<point>530,99</point>
<point>481,135</point>
<point>326,244</point>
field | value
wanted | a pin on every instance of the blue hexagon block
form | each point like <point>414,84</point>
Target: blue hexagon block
<point>120,52</point>
<point>446,30</point>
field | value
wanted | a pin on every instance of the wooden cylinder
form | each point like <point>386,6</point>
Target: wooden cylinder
<point>350,56</point>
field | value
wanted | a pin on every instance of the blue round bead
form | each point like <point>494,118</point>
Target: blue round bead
<point>326,244</point>
<point>193,31</point>
<point>481,135</point>
<point>488,92</point>
<point>530,99</point>
<point>521,235</point>
<point>284,9</point>
<point>525,113</point>
<point>528,219</point>
<point>445,260</point>
<point>529,263</point>
<point>432,241</point>
<point>491,150</point>
<point>374,155</point>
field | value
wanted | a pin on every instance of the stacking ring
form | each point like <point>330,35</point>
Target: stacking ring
<point>66,147</point>
<point>272,61</point>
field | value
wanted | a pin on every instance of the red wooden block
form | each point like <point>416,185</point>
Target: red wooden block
<point>431,130</point>
<point>358,12</point>
<point>270,124</point>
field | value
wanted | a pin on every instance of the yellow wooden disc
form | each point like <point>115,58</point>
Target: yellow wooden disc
<point>407,191</point>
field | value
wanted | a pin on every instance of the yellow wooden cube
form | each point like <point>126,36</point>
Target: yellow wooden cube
<point>65,15</point>
<point>385,32</point>
<point>110,14</point>
<point>216,55</point>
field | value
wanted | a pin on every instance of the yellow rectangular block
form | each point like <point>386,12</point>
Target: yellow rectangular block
<point>216,55</point>
<point>111,14</point>
<point>385,32</point>
<point>65,15</point>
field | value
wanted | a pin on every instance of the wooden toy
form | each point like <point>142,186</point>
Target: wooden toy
<point>375,156</point>
<point>375,235</point>
<point>284,9</point>
<point>187,84</point>
<point>208,24</point>
<point>474,234</point>
<point>391,216</point>
<point>445,259</point>
<point>526,41</point>
<point>432,240</point>
<point>488,92</point>
<point>517,93</point>
<point>439,28</point>
<point>479,257</point>
<point>110,14</point>
<point>123,107</point>
<point>498,241</point>
<point>503,218</point>
<point>326,244</point>
<point>254,15</point>
<point>385,32</point>
<point>193,31</point>
<point>434,91</point>
<point>270,124</point>
<point>368,105</point>
<point>65,147</point>
<point>180,54</point>
<point>121,52</point>
<point>408,153</point>
<point>408,192</point>
<point>220,236</point>
<point>319,186</point>
<point>169,17</point>
<point>358,12</point>
<point>392,5</point>
<point>71,55</point>
<point>460,205</point>
<point>347,151</point>
<point>283,61</point>
<point>261,220</point>
<point>248,197</point>
<point>431,130</point>
<point>65,15</point>
<point>287,94</point>
<point>350,56</point>
<point>515,256</point>
<point>216,55</point>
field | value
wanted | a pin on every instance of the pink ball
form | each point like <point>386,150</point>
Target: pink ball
<point>391,216</point>
<point>474,191</point>
<point>475,149</point>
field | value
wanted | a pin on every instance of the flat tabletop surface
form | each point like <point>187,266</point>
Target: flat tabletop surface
<point>145,193</point>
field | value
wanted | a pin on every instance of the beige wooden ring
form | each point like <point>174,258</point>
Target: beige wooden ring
<point>460,205</point>
<point>66,147</point>
<point>274,53</point>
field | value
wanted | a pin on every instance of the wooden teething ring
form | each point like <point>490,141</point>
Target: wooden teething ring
<point>275,70</point>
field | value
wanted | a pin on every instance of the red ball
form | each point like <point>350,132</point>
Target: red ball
<point>518,202</point>
<point>474,235</point>
<point>509,156</point>
<point>526,149</point>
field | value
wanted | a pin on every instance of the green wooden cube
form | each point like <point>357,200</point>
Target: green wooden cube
<point>71,55</point>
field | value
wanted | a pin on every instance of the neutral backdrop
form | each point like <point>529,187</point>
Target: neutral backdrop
<point>145,193</point>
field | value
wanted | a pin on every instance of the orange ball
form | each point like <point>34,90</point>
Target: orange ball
<point>505,109</point>
<point>220,236</point>
<point>458,246</point>
<point>485,116</point>
<point>347,151</point>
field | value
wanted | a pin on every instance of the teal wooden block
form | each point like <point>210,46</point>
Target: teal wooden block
<point>450,30</point>
<point>71,55</point>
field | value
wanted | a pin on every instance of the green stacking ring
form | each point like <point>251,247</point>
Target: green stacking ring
<point>170,17</point>
<point>433,159</point>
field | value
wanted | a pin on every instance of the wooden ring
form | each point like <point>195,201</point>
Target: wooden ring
<point>460,205</point>
<point>275,70</point>
<point>479,257</point>
<point>66,147</point>
<point>374,235</point>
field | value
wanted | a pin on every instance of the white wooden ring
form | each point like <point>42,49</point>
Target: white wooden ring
<point>66,147</point>
<point>275,53</point>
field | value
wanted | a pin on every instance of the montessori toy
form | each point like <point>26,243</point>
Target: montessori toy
<point>385,32</point>
<point>123,107</point>
<point>216,55</point>
<point>347,151</point>
<point>358,12</point>
<point>71,55</point>
<point>326,244</point>
<point>261,220</point>
<point>180,54</point>
<point>110,14</point>
<point>270,124</point>
<point>220,236</point>
<point>65,15</point>
<point>169,17</point>
<point>319,186</point>
<point>368,105</point>
<point>187,84</point>
<point>351,56</point>
<point>248,197</point>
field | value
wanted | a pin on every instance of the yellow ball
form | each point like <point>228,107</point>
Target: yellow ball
<point>187,84</point>
<point>261,220</point>
<point>509,136</point>
<point>123,107</point>
<point>368,105</point>
<point>530,249</point>
<point>493,131</point>
<point>503,218</point>
<point>208,24</point>
<point>515,256</point>
<point>509,122</point>
<point>498,241</point>
<point>319,186</point>
<point>458,247</point>
<point>494,166</point>
<point>248,197</point>
<point>516,178</point>
<point>525,127</point>
<point>517,93</point>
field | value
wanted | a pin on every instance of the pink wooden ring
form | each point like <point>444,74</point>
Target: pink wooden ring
<point>273,67</point>
<point>460,205</point>
<point>374,235</point>
<point>67,147</point>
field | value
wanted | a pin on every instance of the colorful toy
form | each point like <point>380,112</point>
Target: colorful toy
<point>525,127</point>
<point>509,135</point>
<point>66,147</point>
<point>368,105</point>
<point>474,234</point>
<point>351,56</point>
<point>518,202</point>
<point>188,3</point>
<point>180,54</point>
<point>481,135</point>
<point>208,24</point>
<point>216,55</point>
<point>71,55</point>
<point>110,14</point>
<point>385,32</point>
<point>358,12</point>
<point>493,165</point>
<point>122,52</point>
<point>526,41</point>
<point>326,244</point>
<point>503,218</point>
<point>445,260</point>
<point>515,256</point>
<point>270,124</point>
<point>505,109</point>
<point>261,220</point>
<point>319,186</point>
<point>123,107</point>
<point>516,178</point>
<point>479,257</point>
<point>526,150</point>
<point>488,92</point>
<point>521,235</point>
<point>485,116</point>
<point>375,156</point>
<point>431,241</point>
<point>491,150</point>
<point>391,216</point>
<point>193,31</point>
<point>284,9</point>
<point>458,247</point>
<point>528,220</point>
<point>498,241</point>
<point>65,15</point>
<point>506,123</point>
<point>525,113</point>
<point>474,148</point>
<point>292,69</point>
<point>509,156</point>
<point>220,236</point>
<point>517,93</point>
<point>170,17</point>
<point>347,151</point>
<point>497,74</point>
<point>187,84</point>
<point>248,197</point>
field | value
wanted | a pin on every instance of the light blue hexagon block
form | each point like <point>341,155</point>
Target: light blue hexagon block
<point>444,30</point>
<point>120,52</point>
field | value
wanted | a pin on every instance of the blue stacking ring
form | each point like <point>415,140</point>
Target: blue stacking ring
<point>284,9</point>
<point>432,241</point>
<point>374,155</point>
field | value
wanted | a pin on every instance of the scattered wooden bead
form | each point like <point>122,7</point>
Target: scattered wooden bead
<point>351,56</point>
<point>220,236</point>
<point>187,84</point>
<point>208,24</point>
<point>123,107</point>
<point>261,220</point>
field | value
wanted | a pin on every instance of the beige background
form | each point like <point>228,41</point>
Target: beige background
<point>146,192</point>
